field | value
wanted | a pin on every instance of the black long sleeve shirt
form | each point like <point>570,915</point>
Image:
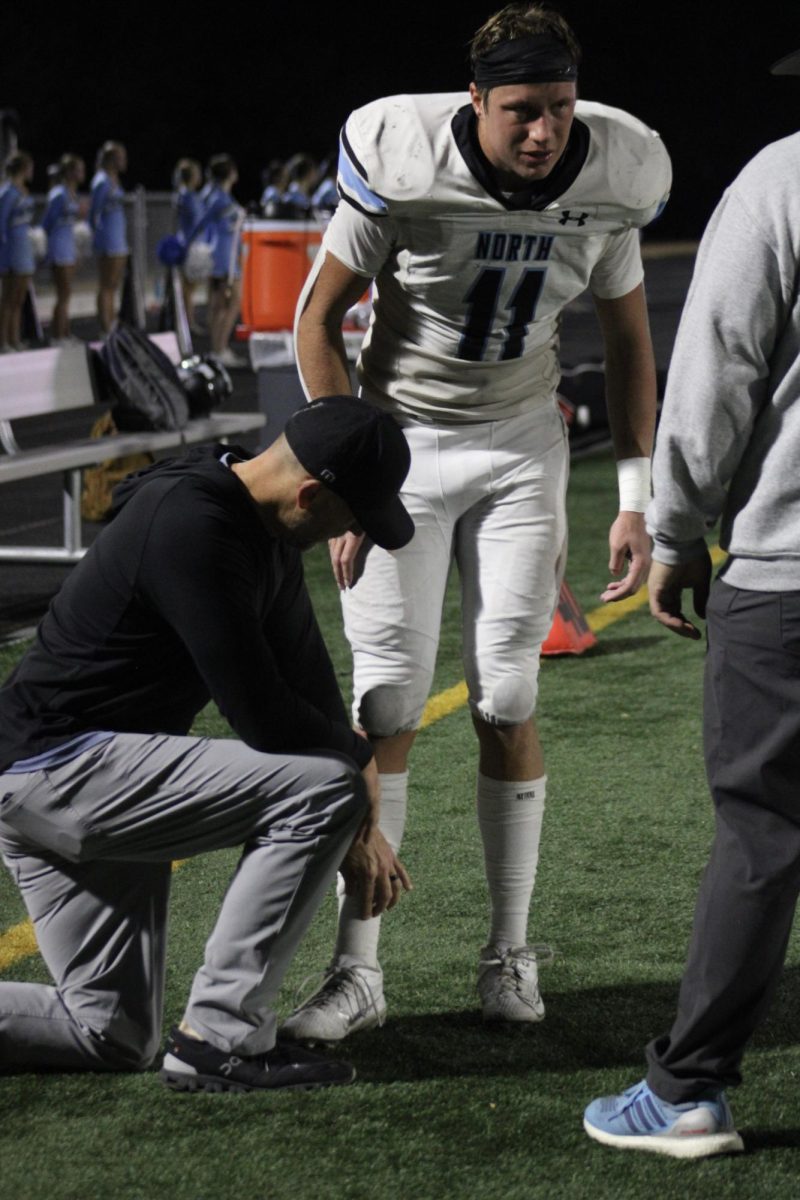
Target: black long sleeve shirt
<point>184,597</point>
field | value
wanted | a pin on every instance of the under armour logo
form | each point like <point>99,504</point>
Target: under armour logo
<point>327,475</point>
<point>567,216</point>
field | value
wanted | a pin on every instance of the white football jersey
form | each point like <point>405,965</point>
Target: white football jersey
<point>470,282</point>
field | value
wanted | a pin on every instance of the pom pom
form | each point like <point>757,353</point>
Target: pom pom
<point>38,241</point>
<point>171,251</point>
<point>83,239</point>
<point>199,262</point>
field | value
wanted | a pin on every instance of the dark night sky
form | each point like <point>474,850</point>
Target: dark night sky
<point>274,79</point>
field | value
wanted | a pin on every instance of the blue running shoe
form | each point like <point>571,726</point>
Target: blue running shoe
<point>639,1120</point>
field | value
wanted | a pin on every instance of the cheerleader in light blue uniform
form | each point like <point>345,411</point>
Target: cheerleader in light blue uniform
<point>303,174</point>
<point>58,222</point>
<point>16,250</point>
<point>186,180</point>
<point>221,219</point>
<point>107,219</point>
<point>274,179</point>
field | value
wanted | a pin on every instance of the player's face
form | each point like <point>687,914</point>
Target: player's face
<point>523,129</point>
<point>328,516</point>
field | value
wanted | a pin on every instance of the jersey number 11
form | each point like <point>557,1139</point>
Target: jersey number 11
<point>481,303</point>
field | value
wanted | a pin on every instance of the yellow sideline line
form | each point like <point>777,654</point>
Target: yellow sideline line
<point>19,941</point>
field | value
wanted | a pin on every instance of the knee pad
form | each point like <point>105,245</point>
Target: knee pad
<point>510,702</point>
<point>387,709</point>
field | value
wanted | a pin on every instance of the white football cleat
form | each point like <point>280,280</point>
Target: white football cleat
<point>508,983</point>
<point>347,1000</point>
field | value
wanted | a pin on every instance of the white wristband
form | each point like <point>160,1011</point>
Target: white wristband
<point>633,476</point>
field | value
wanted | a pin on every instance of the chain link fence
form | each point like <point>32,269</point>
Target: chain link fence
<point>150,217</point>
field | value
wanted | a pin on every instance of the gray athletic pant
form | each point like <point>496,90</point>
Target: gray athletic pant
<point>748,895</point>
<point>90,845</point>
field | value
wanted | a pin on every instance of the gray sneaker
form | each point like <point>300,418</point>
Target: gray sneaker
<point>348,999</point>
<point>508,983</point>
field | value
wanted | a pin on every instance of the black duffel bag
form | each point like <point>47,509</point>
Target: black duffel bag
<point>140,383</point>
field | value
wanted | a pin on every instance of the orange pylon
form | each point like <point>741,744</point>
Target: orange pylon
<point>569,633</point>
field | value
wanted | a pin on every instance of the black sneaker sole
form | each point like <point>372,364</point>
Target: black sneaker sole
<point>184,1082</point>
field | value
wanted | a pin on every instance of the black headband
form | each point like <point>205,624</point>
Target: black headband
<point>541,58</point>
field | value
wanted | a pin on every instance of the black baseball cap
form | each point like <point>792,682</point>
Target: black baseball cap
<point>361,454</point>
<point>790,65</point>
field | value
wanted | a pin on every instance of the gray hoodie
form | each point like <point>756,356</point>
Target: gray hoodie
<point>728,444</point>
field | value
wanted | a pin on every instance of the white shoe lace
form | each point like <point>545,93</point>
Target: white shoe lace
<point>339,983</point>
<point>542,956</point>
<point>513,964</point>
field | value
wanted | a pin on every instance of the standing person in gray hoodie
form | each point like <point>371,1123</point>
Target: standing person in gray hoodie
<point>728,448</point>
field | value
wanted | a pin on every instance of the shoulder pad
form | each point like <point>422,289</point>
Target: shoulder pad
<point>628,164</point>
<point>390,150</point>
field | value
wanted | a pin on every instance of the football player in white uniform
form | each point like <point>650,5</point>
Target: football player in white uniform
<point>480,217</point>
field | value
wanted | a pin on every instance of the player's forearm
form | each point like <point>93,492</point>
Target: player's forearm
<point>321,357</point>
<point>630,373</point>
<point>631,397</point>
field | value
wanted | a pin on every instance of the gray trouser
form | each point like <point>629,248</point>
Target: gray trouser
<point>750,887</point>
<point>90,845</point>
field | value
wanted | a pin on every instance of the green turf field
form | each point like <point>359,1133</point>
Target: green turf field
<point>443,1108</point>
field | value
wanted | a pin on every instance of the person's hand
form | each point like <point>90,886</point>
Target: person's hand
<point>629,542</point>
<point>371,869</point>
<point>373,872</point>
<point>665,585</point>
<point>345,560</point>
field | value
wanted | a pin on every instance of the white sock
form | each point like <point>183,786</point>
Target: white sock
<point>510,819</point>
<point>357,940</point>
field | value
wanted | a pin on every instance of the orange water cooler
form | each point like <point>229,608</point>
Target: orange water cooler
<point>276,259</point>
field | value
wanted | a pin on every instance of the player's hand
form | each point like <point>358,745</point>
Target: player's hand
<point>629,543</point>
<point>665,585</point>
<point>373,872</point>
<point>346,561</point>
